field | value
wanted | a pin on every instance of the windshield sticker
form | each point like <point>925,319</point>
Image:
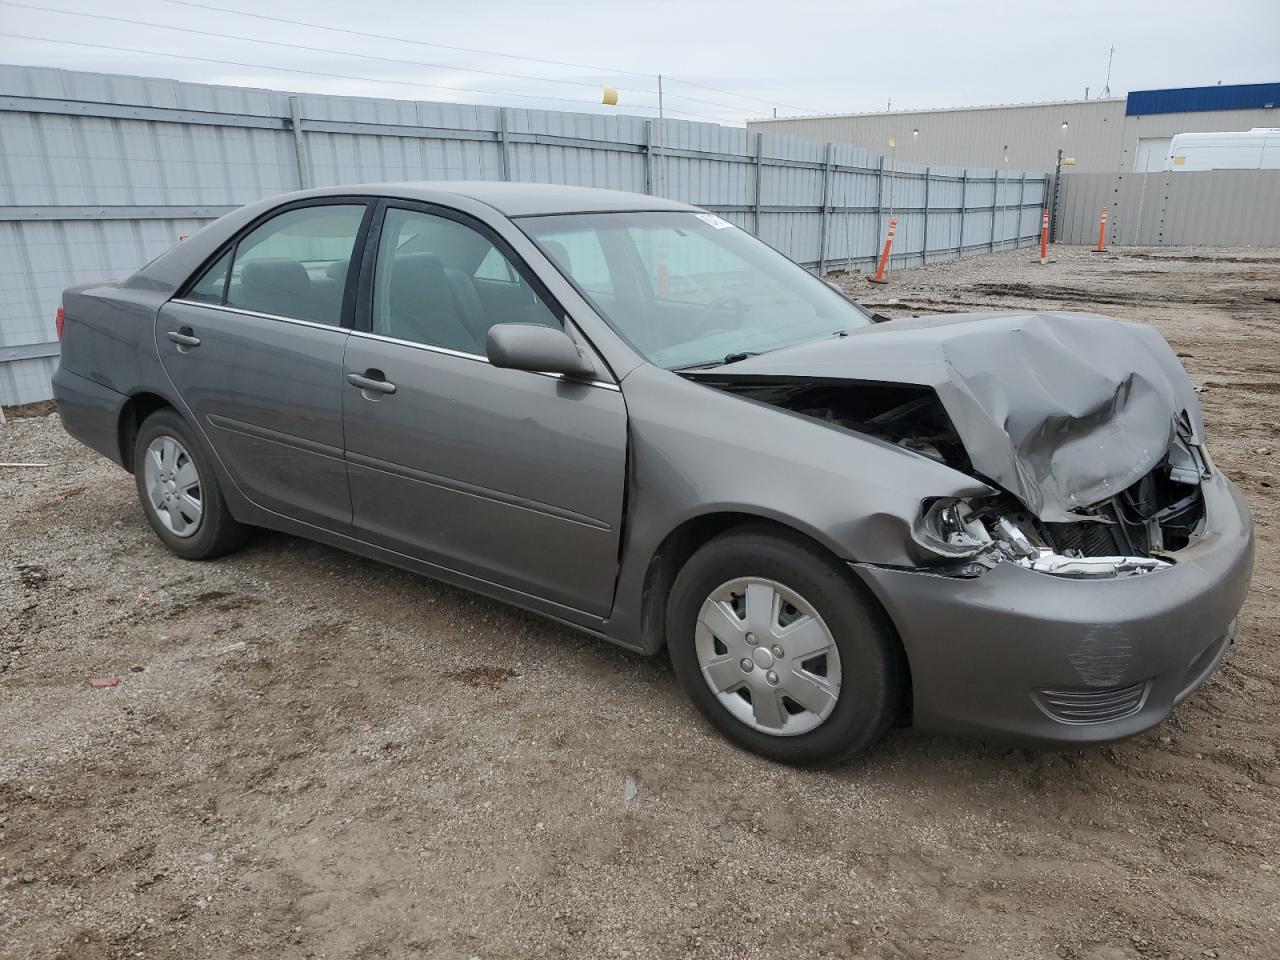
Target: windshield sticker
<point>715,221</point>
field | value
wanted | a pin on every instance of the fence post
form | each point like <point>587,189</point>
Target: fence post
<point>759,153</point>
<point>879,202</point>
<point>504,163</point>
<point>822,223</point>
<point>995,195</point>
<point>964,209</point>
<point>648,157</point>
<point>1017,224</point>
<point>299,144</point>
<point>1052,205</point>
<point>924,246</point>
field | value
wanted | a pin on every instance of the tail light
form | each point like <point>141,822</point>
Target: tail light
<point>60,320</point>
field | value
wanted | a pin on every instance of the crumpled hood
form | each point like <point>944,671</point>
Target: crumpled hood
<point>1062,410</point>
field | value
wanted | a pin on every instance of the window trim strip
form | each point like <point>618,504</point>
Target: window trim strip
<point>258,313</point>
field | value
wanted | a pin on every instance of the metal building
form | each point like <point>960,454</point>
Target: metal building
<point>1102,136</point>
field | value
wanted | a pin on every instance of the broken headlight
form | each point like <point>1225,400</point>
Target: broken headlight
<point>950,528</point>
<point>978,534</point>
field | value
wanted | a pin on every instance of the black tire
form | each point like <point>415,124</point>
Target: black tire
<point>217,532</point>
<point>871,690</point>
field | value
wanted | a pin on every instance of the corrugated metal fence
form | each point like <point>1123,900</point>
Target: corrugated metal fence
<point>1202,208</point>
<point>99,173</point>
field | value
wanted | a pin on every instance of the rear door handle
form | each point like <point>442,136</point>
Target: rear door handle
<point>184,338</point>
<point>371,381</point>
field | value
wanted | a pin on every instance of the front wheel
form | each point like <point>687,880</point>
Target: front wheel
<point>781,648</point>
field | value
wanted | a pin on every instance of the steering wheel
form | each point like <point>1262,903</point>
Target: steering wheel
<point>701,324</point>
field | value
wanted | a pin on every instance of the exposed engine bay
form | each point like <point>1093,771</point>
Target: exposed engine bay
<point>1136,531</point>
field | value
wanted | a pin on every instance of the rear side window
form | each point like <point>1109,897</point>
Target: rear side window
<point>294,265</point>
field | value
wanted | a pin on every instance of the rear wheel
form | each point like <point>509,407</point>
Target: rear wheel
<point>179,492</point>
<point>782,649</point>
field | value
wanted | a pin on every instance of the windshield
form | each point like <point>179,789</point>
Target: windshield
<point>690,289</point>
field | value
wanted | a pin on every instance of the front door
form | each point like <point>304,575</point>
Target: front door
<point>512,477</point>
<point>254,349</point>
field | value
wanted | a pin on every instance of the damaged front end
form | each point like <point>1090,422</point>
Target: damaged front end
<point>1137,531</point>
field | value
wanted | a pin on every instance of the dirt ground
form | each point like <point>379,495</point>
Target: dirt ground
<point>311,755</point>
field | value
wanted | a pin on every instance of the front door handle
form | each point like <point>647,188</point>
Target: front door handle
<point>185,338</point>
<point>371,381</point>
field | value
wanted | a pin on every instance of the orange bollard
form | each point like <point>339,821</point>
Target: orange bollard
<point>884,255</point>
<point>1102,232</point>
<point>1044,236</point>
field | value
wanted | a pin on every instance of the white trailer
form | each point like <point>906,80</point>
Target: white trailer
<point>1256,149</point>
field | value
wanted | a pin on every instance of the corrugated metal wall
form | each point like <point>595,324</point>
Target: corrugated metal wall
<point>100,173</point>
<point>1204,208</point>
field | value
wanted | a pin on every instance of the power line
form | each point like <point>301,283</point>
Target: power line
<point>364,56</point>
<point>299,70</point>
<point>291,46</point>
<point>421,43</point>
<point>744,96</point>
<point>607,71</point>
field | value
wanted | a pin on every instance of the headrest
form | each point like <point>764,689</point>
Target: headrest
<point>285,275</point>
<point>417,279</point>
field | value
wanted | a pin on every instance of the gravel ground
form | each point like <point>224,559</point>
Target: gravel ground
<point>311,755</point>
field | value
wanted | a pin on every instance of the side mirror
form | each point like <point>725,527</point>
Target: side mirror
<point>541,349</point>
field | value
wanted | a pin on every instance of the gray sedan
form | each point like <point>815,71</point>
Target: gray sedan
<point>628,415</point>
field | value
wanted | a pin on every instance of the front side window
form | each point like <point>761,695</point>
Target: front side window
<point>689,289</point>
<point>294,265</point>
<point>439,282</point>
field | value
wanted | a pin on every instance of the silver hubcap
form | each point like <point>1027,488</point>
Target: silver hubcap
<point>768,657</point>
<point>173,486</point>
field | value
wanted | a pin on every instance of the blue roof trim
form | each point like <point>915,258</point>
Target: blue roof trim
<point>1240,96</point>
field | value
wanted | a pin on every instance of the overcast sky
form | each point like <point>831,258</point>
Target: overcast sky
<point>798,55</point>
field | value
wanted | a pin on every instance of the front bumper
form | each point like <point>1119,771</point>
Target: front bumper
<point>1016,653</point>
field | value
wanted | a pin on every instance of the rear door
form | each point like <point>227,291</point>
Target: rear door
<point>508,476</point>
<point>254,348</point>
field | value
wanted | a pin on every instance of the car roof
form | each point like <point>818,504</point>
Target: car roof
<point>171,269</point>
<point>516,199</point>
